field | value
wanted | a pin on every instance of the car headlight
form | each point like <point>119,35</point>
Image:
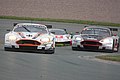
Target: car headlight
<point>107,41</point>
<point>78,38</point>
<point>12,38</point>
<point>45,40</point>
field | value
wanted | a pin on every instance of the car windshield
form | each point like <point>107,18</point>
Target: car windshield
<point>97,31</point>
<point>30,28</point>
<point>58,31</point>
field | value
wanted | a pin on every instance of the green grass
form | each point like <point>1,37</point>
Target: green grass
<point>62,20</point>
<point>110,57</point>
<point>61,45</point>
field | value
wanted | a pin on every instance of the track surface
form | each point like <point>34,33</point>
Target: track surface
<point>65,64</point>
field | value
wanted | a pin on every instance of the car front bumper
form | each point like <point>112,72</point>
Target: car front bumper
<point>78,44</point>
<point>43,47</point>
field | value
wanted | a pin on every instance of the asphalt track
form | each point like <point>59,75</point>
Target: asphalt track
<point>65,64</point>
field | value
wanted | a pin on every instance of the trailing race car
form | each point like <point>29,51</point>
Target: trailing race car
<point>30,37</point>
<point>61,36</point>
<point>96,38</point>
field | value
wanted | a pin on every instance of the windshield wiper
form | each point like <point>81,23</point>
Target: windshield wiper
<point>26,29</point>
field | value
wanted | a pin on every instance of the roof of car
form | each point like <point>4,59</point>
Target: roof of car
<point>56,29</point>
<point>96,27</point>
<point>30,24</point>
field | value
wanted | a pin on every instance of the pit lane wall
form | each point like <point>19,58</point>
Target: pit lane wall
<point>93,10</point>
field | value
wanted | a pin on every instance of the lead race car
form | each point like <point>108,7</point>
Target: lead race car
<point>30,37</point>
<point>96,38</point>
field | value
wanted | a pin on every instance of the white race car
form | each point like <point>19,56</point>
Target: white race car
<point>30,37</point>
<point>61,36</point>
<point>96,38</point>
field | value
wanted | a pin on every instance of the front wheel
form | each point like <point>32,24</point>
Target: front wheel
<point>117,48</point>
<point>50,51</point>
<point>74,48</point>
<point>7,49</point>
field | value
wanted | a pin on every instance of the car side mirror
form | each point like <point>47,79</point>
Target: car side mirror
<point>114,34</point>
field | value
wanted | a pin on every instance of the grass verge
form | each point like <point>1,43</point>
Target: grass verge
<point>62,20</point>
<point>61,45</point>
<point>110,57</point>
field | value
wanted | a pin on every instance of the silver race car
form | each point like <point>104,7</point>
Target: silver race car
<point>30,37</point>
<point>96,38</point>
<point>61,36</point>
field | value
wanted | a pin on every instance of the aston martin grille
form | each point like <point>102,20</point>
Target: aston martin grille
<point>33,42</point>
<point>91,43</point>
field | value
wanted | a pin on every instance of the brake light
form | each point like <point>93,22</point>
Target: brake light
<point>59,36</point>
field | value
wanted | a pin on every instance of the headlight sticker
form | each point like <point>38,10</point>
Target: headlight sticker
<point>45,40</point>
<point>107,40</point>
<point>78,38</point>
<point>12,38</point>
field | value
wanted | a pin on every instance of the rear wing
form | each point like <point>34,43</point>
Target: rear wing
<point>113,29</point>
<point>48,26</point>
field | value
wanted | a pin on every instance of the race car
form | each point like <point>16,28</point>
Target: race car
<point>61,36</point>
<point>30,37</point>
<point>96,38</point>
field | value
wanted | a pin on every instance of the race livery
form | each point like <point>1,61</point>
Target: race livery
<point>96,38</point>
<point>61,36</point>
<point>30,37</point>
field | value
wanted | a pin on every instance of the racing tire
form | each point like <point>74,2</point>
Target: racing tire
<point>50,51</point>
<point>117,48</point>
<point>74,48</point>
<point>7,49</point>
